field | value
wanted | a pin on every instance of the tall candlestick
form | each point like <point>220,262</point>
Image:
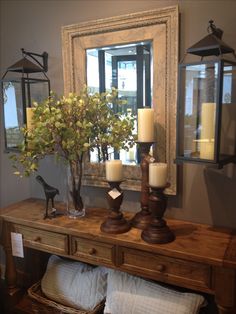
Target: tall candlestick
<point>142,218</point>
<point>158,231</point>
<point>146,125</point>
<point>157,174</point>
<point>114,171</point>
<point>115,223</point>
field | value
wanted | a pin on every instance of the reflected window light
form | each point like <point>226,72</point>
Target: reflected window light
<point>130,71</point>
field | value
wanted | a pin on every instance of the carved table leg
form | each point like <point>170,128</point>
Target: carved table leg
<point>12,293</point>
<point>10,273</point>
<point>224,281</point>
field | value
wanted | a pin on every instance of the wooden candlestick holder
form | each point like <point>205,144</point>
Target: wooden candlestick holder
<point>115,222</point>
<point>142,219</point>
<point>157,231</point>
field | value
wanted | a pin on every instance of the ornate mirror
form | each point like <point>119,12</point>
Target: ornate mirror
<point>107,52</point>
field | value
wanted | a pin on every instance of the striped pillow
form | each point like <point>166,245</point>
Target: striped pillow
<point>133,295</point>
<point>73,283</point>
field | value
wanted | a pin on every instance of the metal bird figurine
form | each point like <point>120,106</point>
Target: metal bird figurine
<point>50,193</point>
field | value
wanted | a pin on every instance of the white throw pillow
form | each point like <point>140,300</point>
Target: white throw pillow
<point>133,295</point>
<point>73,283</point>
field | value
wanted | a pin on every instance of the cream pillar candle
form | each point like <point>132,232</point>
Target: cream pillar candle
<point>208,114</point>
<point>114,170</point>
<point>207,149</point>
<point>146,125</point>
<point>208,120</point>
<point>29,114</point>
<point>157,174</point>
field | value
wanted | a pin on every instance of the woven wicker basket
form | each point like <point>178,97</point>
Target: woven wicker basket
<point>36,293</point>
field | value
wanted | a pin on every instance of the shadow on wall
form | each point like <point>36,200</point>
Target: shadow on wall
<point>221,187</point>
<point>191,201</point>
<point>54,173</point>
<point>205,195</point>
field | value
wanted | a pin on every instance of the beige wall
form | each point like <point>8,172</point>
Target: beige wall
<point>206,196</point>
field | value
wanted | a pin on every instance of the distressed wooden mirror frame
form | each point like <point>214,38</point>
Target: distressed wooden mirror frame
<point>161,26</point>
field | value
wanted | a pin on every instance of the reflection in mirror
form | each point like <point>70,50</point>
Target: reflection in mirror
<point>127,68</point>
<point>13,113</point>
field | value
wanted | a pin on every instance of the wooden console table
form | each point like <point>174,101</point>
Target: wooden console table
<point>201,258</point>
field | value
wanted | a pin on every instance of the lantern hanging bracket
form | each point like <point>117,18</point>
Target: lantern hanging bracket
<point>43,64</point>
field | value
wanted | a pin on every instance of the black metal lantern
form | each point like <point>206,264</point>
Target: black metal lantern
<point>206,118</point>
<point>23,83</point>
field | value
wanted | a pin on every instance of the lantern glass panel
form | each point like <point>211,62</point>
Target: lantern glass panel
<point>13,113</point>
<point>228,116</point>
<point>199,92</point>
<point>36,90</point>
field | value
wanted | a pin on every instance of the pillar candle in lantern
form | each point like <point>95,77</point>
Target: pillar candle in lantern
<point>208,120</point>
<point>157,174</point>
<point>114,171</point>
<point>208,114</point>
<point>146,125</point>
<point>29,114</point>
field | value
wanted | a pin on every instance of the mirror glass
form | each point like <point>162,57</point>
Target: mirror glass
<point>127,68</point>
<point>13,114</point>
<point>138,54</point>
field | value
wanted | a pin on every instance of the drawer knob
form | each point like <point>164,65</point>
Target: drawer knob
<point>37,239</point>
<point>160,267</point>
<point>92,251</point>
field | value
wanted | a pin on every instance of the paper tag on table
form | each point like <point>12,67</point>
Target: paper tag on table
<point>17,244</point>
<point>114,193</point>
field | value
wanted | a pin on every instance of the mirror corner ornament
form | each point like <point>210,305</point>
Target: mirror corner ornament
<point>162,27</point>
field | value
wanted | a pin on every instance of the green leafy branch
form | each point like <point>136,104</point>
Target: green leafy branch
<point>68,127</point>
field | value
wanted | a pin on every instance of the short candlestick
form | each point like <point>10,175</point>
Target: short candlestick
<point>157,231</point>
<point>142,219</point>
<point>115,222</point>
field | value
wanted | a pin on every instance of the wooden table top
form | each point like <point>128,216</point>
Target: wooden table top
<point>196,242</point>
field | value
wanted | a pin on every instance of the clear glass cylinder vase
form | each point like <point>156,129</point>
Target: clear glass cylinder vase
<point>75,205</point>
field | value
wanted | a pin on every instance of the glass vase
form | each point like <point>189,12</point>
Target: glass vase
<point>75,206</point>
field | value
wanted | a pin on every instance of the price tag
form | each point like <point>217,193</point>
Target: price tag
<point>114,193</point>
<point>17,244</point>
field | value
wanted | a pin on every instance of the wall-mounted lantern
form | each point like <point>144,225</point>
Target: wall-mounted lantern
<point>206,118</point>
<point>23,82</point>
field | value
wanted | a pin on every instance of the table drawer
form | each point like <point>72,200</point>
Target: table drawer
<point>166,269</point>
<point>93,251</point>
<point>43,240</point>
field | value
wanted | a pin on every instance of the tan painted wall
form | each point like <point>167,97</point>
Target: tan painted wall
<point>205,196</point>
